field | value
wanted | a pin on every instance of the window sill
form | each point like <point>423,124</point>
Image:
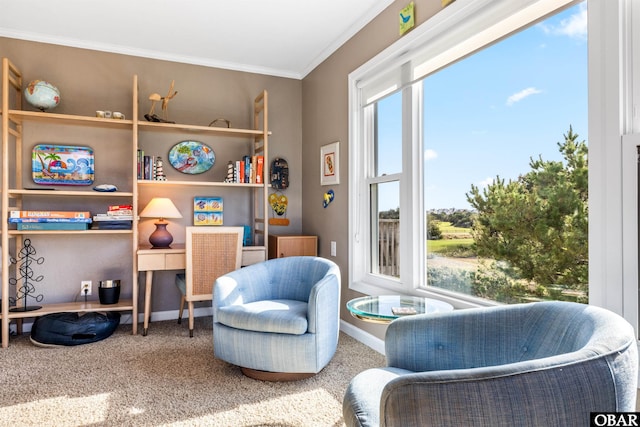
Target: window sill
<point>457,300</point>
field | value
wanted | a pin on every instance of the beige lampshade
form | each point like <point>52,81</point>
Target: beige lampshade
<point>160,207</point>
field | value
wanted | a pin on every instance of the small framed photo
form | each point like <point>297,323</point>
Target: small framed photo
<point>330,164</point>
<point>207,211</point>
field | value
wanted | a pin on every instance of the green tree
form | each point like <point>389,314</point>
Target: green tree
<point>390,214</point>
<point>538,223</point>
<point>433,230</point>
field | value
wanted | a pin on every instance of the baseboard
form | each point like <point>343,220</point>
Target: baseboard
<point>364,337</point>
<point>158,316</point>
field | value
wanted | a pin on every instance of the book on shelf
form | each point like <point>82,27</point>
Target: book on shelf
<point>248,170</point>
<point>47,226</point>
<point>259,169</point>
<point>49,214</point>
<point>113,225</point>
<point>118,208</point>
<point>146,166</point>
<point>116,214</point>
<point>122,212</point>
<point>140,163</point>
<point>106,217</point>
<point>50,220</point>
<point>240,171</point>
<point>148,162</point>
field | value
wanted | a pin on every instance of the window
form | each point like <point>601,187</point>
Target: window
<point>391,130</point>
<point>384,186</point>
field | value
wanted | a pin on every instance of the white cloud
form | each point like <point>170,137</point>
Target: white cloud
<point>575,26</point>
<point>430,154</point>
<point>519,96</point>
<point>485,182</point>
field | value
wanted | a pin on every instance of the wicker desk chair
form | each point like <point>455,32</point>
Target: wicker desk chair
<point>211,252</point>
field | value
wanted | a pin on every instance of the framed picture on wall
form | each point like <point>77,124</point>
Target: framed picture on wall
<point>330,164</point>
<point>207,211</point>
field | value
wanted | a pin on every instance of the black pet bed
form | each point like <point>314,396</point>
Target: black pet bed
<point>66,329</point>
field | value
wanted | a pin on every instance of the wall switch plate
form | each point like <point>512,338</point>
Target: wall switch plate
<point>333,248</point>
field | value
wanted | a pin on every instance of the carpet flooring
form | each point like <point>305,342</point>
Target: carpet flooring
<point>164,379</point>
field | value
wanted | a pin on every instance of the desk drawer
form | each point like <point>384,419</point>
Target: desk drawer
<point>147,262</point>
<point>252,255</point>
<point>175,262</point>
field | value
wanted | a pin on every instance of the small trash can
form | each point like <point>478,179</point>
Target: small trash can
<point>109,291</point>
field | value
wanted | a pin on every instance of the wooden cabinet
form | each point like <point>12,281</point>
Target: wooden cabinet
<point>124,136</point>
<point>284,246</point>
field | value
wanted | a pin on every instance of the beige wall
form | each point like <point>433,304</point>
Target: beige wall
<point>90,80</point>
<point>304,115</point>
<point>325,119</point>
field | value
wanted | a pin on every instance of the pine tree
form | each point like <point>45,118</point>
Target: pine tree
<point>539,222</point>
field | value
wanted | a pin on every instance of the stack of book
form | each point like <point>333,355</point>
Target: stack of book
<point>118,217</point>
<point>50,220</point>
<point>145,165</point>
<point>248,170</point>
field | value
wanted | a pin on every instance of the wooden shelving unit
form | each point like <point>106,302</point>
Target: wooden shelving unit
<point>14,118</point>
<point>259,142</point>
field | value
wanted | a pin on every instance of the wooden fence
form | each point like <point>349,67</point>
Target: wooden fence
<point>388,247</point>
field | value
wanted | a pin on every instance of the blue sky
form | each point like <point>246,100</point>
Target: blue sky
<point>487,115</point>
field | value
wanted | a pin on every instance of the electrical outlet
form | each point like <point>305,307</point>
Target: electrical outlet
<point>85,285</point>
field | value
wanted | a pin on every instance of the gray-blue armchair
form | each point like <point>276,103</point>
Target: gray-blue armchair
<point>279,319</point>
<point>537,364</point>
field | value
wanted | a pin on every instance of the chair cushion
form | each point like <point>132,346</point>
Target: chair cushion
<point>281,316</point>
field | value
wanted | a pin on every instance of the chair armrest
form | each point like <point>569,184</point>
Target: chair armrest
<point>324,303</point>
<point>241,286</point>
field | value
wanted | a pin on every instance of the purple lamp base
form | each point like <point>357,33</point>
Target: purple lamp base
<point>160,238</point>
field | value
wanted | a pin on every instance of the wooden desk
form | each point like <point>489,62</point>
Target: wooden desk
<point>150,260</point>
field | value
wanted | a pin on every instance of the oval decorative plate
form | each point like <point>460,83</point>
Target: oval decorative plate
<point>191,157</point>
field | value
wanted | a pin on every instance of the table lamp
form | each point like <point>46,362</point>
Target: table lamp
<point>161,208</point>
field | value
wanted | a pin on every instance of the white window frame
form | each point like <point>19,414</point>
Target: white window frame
<point>613,259</point>
<point>614,124</point>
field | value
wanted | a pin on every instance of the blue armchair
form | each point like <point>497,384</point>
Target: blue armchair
<point>279,319</point>
<point>537,364</point>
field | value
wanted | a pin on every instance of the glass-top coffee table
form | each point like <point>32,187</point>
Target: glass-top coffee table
<point>385,308</point>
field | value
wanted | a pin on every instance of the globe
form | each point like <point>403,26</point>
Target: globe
<point>42,95</point>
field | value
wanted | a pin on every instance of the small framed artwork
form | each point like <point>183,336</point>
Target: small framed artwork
<point>207,211</point>
<point>330,164</point>
<point>62,165</point>
<point>407,18</point>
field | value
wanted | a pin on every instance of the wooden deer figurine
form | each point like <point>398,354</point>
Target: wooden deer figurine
<point>155,97</point>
